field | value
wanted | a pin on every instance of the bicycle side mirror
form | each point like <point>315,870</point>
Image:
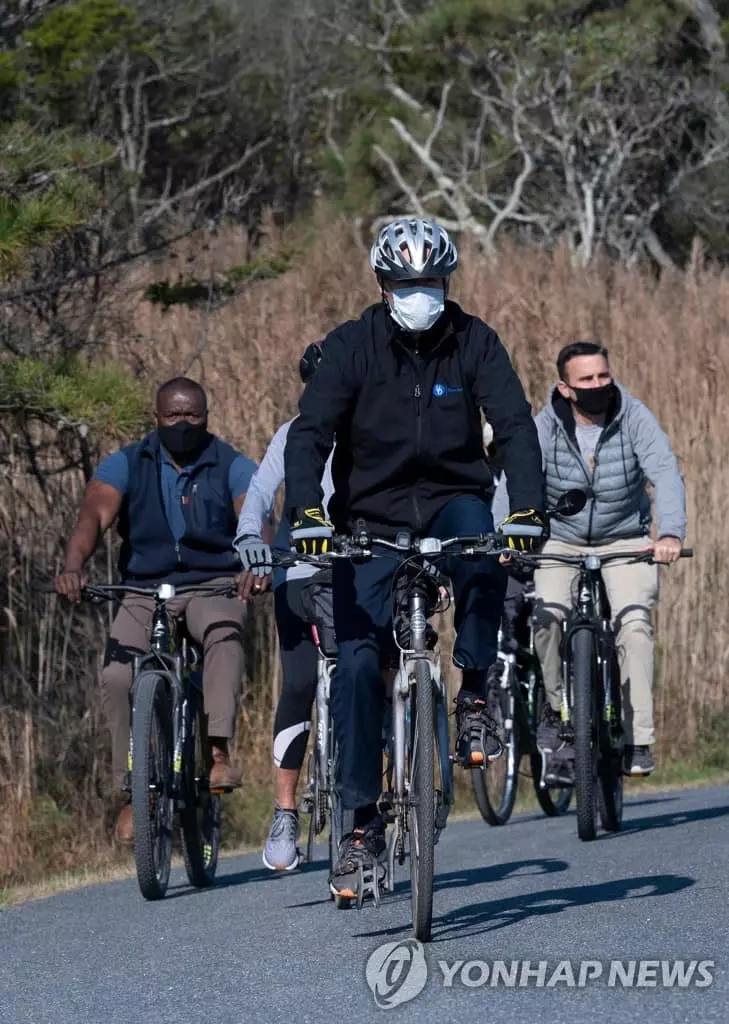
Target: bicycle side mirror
<point>569,503</point>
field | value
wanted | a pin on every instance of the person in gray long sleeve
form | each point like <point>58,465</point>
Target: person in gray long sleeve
<point>292,720</point>
<point>596,436</point>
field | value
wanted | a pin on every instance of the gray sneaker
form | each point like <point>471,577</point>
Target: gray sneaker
<point>281,852</point>
<point>548,729</point>
<point>555,744</point>
<point>638,761</point>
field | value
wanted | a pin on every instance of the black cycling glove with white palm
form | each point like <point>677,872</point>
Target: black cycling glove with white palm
<point>525,530</point>
<point>311,533</point>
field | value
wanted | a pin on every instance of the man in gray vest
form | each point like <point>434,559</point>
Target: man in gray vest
<point>597,437</point>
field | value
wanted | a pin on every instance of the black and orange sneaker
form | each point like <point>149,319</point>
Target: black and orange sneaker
<point>478,740</point>
<point>358,871</point>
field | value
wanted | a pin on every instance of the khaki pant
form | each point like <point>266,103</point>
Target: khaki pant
<point>215,622</point>
<point>632,590</point>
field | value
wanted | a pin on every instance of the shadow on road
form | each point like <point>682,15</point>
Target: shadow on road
<point>244,878</point>
<point>492,915</point>
<point>670,820</point>
<point>646,801</point>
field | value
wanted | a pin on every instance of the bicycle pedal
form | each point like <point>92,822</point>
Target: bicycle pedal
<point>368,884</point>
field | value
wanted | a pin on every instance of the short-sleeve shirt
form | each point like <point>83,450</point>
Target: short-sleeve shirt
<point>114,470</point>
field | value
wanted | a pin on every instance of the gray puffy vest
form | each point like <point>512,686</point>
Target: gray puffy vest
<point>618,505</point>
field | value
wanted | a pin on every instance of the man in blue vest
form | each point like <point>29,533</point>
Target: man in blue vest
<point>175,495</point>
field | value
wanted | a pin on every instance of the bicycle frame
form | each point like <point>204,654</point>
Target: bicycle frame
<point>590,613</point>
<point>402,694</point>
<point>178,661</point>
<point>321,773</point>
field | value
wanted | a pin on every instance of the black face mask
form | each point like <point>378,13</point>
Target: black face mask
<point>594,401</point>
<point>184,441</point>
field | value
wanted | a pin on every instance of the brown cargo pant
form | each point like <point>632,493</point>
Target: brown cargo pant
<point>632,590</point>
<point>215,622</point>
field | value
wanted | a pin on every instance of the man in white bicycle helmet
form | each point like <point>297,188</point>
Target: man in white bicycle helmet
<point>402,388</point>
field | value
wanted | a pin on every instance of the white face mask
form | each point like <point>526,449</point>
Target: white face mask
<point>416,308</point>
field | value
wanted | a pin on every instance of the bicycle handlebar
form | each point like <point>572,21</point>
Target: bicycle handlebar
<point>361,547</point>
<point>640,555</point>
<point>108,591</point>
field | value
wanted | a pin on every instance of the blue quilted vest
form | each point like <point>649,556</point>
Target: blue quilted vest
<point>149,553</point>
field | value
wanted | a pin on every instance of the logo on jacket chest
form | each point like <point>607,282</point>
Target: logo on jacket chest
<point>440,390</point>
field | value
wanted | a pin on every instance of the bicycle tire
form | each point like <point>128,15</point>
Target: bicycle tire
<point>422,803</point>
<point>582,660</point>
<point>610,790</point>
<point>341,822</point>
<point>200,817</point>
<point>152,804</point>
<point>496,801</point>
<point>554,800</point>
<point>314,789</point>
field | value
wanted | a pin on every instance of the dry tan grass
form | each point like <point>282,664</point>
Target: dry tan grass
<point>668,344</point>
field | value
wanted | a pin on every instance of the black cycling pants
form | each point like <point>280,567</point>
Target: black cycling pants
<point>298,663</point>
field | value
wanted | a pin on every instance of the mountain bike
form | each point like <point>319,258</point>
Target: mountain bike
<point>320,799</point>
<point>419,784</point>
<point>591,699</point>
<point>517,707</point>
<point>169,755</point>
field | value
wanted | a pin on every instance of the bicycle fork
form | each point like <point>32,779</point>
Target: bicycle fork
<point>401,703</point>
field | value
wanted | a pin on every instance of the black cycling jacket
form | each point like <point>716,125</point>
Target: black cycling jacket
<point>407,423</point>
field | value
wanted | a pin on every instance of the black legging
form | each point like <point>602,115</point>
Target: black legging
<point>298,662</point>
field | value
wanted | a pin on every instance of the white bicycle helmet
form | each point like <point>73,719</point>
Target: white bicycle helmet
<point>431,251</point>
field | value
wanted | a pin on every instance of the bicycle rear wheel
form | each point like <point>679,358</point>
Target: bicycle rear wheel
<point>422,803</point>
<point>152,802</point>
<point>554,800</point>
<point>200,817</point>
<point>495,785</point>
<point>582,651</point>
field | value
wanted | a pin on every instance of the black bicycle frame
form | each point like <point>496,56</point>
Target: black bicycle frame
<point>177,661</point>
<point>590,613</point>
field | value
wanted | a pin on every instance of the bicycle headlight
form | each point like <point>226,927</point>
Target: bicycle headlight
<point>430,546</point>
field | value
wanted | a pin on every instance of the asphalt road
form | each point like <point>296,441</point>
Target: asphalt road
<point>273,948</point>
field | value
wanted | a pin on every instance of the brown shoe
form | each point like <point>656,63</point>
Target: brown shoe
<point>124,831</point>
<point>223,775</point>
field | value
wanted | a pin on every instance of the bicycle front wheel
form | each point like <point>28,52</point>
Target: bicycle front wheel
<point>341,820</point>
<point>495,785</point>
<point>582,651</point>
<point>152,802</point>
<point>422,802</point>
<point>200,817</point>
<point>611,756</point>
